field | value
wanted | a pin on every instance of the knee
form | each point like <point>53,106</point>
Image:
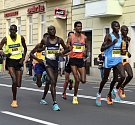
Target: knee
<point>77,80</point>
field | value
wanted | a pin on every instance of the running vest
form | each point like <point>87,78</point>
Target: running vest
<point>52,49</point>
<point>78,47</point>
<point>124,53</point>
<point>113,53</point>
<point>40,55</point>
<point>14,47</point>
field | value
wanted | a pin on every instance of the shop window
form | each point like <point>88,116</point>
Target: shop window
<point>42,25</point>
<point>19,25</point>
<point>76,2</point>
<point>30,30</point>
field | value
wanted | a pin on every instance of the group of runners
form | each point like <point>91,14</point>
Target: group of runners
<point>46,53</point>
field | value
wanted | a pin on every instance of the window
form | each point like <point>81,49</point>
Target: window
<point>42,25</point>
<point>76,2</point>
<point>19,25</point>
<point>8,26</point>
<point>30,30</point>
<point>107,31</point>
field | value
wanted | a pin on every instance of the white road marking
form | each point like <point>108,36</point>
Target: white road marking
<point>69,94</point>
<point>28,118</point>
<point>59,87</point>
<point>127,90</point>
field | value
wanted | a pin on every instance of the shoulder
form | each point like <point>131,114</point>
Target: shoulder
<point>22,37</point>
<point>108,37</point>
<point>60,40</point>
<point>4,40</point>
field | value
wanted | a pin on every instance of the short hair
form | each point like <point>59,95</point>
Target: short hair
<point>77,22</point>
<point>113,23</point>
<point>51,26</point>
<point>124,26</point>
<point>13,25</point>
<point>70,33</point>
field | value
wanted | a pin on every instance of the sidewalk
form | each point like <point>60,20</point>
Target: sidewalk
<point>93,77</point>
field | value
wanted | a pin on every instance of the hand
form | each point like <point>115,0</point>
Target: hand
<point>21,61</point>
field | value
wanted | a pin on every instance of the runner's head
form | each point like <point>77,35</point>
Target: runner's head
<point>51,30</point>
<point>78,27</point>
<point>115,26</point>
<point>45,35</point>
<point>13,30</point>
<point>124,30</point>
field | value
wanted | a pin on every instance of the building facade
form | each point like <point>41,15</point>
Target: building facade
<point>34,16</point>
<point>97,15</point>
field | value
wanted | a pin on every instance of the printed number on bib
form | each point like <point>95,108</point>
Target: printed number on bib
<point>78,48</point>
<point>15,51</point>
<point>116,53</point>
<point>50,54</point>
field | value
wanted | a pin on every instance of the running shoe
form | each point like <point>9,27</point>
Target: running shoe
<point>64,96</point>
<point>75,100</point>
<point>14,104</point>
<point>70,84</point>
<point>34,78</point>
<point>122,93</point>
<point>43,102</point>
<point>98,99</point>
<point>56,107</point>
<point>43,77</point>
<point>116,95</point>
<point>109,100</point>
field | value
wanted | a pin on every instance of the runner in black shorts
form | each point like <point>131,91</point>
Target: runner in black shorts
<point>52,46</point>
<point>78,46</point>
<point>14,44</point>
<point>67,74</point>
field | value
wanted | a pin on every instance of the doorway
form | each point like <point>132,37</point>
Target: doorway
<point>132,47</point>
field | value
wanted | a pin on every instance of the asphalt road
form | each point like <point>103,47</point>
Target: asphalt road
<point>31,112</point>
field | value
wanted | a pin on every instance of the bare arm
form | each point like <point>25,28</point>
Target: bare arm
<point>129,54</point>
<point>86,47</point>
<point>66,48</point>
<point>3,41</point>
<point>34,50</point>
<point>107,43</point>
<point>24,46</point>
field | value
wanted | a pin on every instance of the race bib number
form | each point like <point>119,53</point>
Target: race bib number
<point>116,53</point>
<point>50,54</point>
<point>78,48</point>
<point>15,51</point>
<point>125,56</point>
